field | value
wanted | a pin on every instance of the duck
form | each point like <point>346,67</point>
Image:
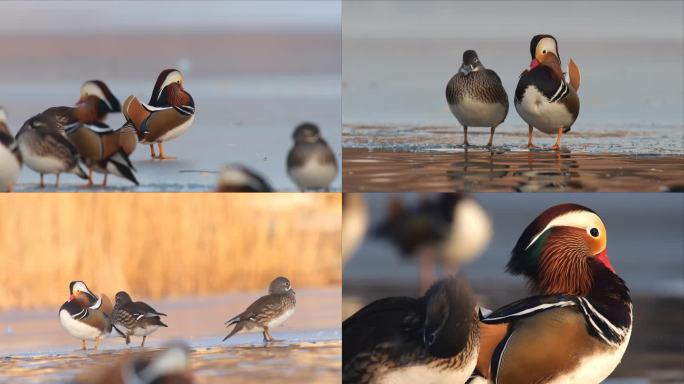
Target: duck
<point>267,312</point>
<point>311,163</point>
<point>134,318</point>
<point>85,316</point>
<point>169,113</point>
<point>430,339</point>
<point>45,150</point>
<point>576,327</point>
<point>238,178</point>
<point>449,227</point>
<point>102,148</point>
<point>171,364</point>
<point>543,98</point>
<point>476,96</point>
<point>10,158</point>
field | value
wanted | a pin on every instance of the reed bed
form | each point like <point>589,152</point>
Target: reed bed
<point>160,245</point>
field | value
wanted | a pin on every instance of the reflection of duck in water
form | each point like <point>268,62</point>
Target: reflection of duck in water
<point>478,168</point>
<point>453,228</point>
<point>549,172</point>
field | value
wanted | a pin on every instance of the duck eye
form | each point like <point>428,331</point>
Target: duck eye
<point>594,232</point>
<point>544,51</point>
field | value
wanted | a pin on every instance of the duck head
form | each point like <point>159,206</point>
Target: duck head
<point>280,285</point>
<point>79,291</point>
<point>544,51</point>
<point>471,62</point>
<point>562,250</point>
<point>449,316</point>
<point>168,90</point>
<point>95,102</point>
<point>122,298</point>
<point>306,133</point>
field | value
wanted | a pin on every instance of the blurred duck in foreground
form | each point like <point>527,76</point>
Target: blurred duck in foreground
<point>578,326</point>
<point>86,316</point>
<point>311,163</point>
<point>238,178</point>
<point>10,159</point>
<point>170,365</point>
<point>169,113</point>
<point>452,228</point>
<point>430,339</point>
<point>354,223</point>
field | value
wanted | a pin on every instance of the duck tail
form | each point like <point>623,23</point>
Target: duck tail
<point>235,330</point>
<point>574,74</point>
<point>120,165</point>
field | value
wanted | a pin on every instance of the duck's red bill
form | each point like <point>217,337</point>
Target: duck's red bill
<point>603,258</point>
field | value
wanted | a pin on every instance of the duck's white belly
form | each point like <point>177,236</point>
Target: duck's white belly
<point>474,113</point>
<point>179,130</point>
<point>77,329</point>
<point>40,164</point>
<point>9,168</point>
<point>537,111</point>
<point>426,375</point>
<point>313,174</point>
<point>596,368</point>
<point>281,319</point>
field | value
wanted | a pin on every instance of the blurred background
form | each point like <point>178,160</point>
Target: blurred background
<point>255,69</point>
<point>645,246</point>
<point>399,56</point>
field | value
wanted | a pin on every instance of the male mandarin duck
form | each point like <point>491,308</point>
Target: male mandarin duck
<point>10,159</point>
<point>543,98</point>
<point>476,96</point>
<point>102,148</point>
<point>578,326</point>
<point>85,316</point>
<point>431,339</point>
<point>45,150</point>
<point>450,227</point>
<point>169,113</point>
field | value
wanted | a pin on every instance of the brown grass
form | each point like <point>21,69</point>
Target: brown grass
<point>157,245</point>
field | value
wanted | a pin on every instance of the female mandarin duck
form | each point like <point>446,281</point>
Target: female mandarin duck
<point>578,327</point>
<point>169,114</point>
<point>543,98</point>
<point>102,148</point>
<point>432,339</point>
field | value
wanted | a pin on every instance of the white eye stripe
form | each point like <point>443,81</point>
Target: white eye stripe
<point>547,44</point>
<point>576,219</point>
<point>94,90</point>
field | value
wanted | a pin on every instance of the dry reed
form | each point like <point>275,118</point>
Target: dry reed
<point>158,245</point>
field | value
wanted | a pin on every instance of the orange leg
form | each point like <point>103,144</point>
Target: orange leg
<point>90,179</point>
<point>161,153</point>
<point>556,146</point>
<point>529,137</point>
<point>97,342</point>
<point>152,154</point>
